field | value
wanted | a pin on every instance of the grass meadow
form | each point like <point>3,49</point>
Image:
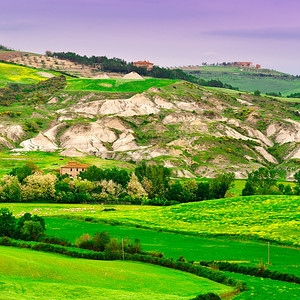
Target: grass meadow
<point>19,74</point>
<point>274,218</point>
<point>25,274</point>
<point>247,80</point>
<point>51,161</point>
<point>116,85</point>
<point>249,253</point>
<point>242,214</point>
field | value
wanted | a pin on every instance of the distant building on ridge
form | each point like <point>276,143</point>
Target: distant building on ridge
<point>245,64</point>
<point>144,64</point>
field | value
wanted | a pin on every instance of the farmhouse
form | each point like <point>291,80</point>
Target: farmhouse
<point>73,168</point>
<point>144,64</point>
<point>248,64</point>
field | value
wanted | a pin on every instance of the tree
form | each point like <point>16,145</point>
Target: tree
<point>110,190</point>
<point>24,171</point>
<point>10,189</point>
<point>7,222</point>
<point>297,178</point>
<point>262,181</point>
<point>175,192</point>
<point>35,226</point>
<point>94,173</point>
<point>248,190</point>
<point>158,175</point>
<point>101,240</point>
<point>38,187</point>
<point>189,190</point>
<point>31,230</point>
<point>203,191</point>
<point>135,189</point>
<point>221,184</point>
<point>256,93</point>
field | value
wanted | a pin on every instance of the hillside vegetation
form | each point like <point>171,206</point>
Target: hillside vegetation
<point>17,74</point>
<point>247,79</point>
<point>26,274</point>
<point>196,131</point>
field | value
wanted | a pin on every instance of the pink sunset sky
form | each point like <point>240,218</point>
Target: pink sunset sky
<point>166,32</point>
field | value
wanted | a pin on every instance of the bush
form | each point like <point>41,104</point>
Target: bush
<point>259,271</point>
<point>209,296</point>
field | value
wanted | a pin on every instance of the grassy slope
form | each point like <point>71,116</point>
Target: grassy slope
<point>264,288</point>
<point>283,259</point>
<point>19,74</point>
<point>245,80</point>
<point>116,85</point>
<point>268,217</point>
<point>26,274</point>
<point>47,161</point>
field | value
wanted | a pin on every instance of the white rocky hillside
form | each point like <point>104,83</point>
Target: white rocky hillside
<point>195,130</point>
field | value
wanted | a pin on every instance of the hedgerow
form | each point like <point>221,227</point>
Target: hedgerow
<point>253,271</point>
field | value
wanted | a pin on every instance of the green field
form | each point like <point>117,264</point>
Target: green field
<point>117,85</point>
<point>25,274</point>
<point>248,80</point>
<point>266,289</point>
<point>47,161</point>
<point>208,215</point>
<point>266,217</point>
<point>250,253</point>
<point>19,74</point>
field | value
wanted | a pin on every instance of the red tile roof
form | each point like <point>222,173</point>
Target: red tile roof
<point>75,164</point>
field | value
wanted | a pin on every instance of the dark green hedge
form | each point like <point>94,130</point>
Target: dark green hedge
<point>253,271</point>
<point>209,296</point>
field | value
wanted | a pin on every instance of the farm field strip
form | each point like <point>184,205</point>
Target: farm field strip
<point>117,85</point>
<point>266,217</point>
<point>19,74</point>
<point>25,273</point>
<point>249,253</point>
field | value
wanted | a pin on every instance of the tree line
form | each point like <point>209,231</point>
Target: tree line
<point>148,184</point>
<point>264,182</point>
<point>121,66</point>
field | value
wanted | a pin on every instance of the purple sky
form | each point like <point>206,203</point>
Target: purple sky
<point>166,32</point>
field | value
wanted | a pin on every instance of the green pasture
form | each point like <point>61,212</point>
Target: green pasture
<point>249,253</point>
<point>47,161</point>
<point>25,274</point>
<point>19,74</point>
<point>264,217</point>
<point>266,289</point>
<point>117,85</point>
<point>247,81</point>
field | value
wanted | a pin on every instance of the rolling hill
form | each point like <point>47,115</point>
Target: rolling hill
<point>195,130</point>
<point>26,274</point>
<point>248,79</point>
